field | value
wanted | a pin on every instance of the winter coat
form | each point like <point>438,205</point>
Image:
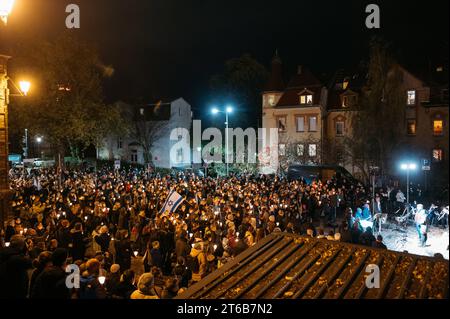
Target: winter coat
<point>202,264</point>
<point>123,253</point>
<point>13,274</point>
<point>182,248</point>
<point>51,284</point>
<point>78,247</point>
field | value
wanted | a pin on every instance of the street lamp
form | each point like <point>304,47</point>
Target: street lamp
<point>408,167</point>
<point>39,140</point>
<point>228,110</point>
<point>24,87</point>
<point>6,7</point>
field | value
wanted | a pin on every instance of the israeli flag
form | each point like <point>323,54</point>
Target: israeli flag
<point>173,201</point>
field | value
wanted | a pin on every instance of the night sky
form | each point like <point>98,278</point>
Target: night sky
<point>170,48</point>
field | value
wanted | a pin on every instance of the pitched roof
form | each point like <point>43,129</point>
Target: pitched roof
<point>303,80</point>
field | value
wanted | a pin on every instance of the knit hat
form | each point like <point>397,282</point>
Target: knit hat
<point>115,268</point>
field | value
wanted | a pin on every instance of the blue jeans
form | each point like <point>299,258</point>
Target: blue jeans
<point>419,231</point>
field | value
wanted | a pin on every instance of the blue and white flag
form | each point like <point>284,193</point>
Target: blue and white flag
<point>173,201</point>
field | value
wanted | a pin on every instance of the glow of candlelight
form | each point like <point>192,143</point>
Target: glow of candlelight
<point>101,280</point>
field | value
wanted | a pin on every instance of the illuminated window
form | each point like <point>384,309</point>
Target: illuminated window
<point>345,84</point>
<point>281,124</point>
<point>313,123</point>
<point>440,68</point>
<point>438,154</point>
<point>282,149</point>
<point>411,127</point>
<point>119,143</point>
<point>306,99</point>
<point>411,97</point>
<point>339,128</point>
<point>300,123</point>
<point>312,150</point>
<point>438,127</point>
<point>271,100</point>
<point>141,111</point>
<point>300,149</point>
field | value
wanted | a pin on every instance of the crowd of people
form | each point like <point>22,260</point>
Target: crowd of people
<point>110,224</point>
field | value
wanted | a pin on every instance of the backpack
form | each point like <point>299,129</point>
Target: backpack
<point>193,264</point>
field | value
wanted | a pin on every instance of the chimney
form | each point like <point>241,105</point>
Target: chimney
<point>299,69</point>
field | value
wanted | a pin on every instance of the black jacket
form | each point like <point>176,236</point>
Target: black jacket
<point>51,284</point>
<point>13,274</point>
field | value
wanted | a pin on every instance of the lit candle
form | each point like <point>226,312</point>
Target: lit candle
<point>101,280</point>
<point>7,244</point>
<point>135,253</point>
<point>85,217</point>
<point>215,247</point>
<point>21,232</point>
<point>278,224</point>
<point>58,215</point>
<point>190,235</point>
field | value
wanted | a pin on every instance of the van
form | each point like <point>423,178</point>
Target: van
<point>322,172</point>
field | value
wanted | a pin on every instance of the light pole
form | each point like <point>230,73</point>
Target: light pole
<point>408,167</point>
<point>228,110</point>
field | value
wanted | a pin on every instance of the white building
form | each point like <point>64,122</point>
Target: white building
<point>152,125</point>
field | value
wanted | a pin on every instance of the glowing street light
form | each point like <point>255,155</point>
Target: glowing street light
<point>408,167</point>
<point>6,7</point>
<point>24,86</point>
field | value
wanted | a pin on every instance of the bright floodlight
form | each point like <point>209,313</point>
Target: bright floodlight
<point>24,86</point>
<point>404,166</point>
<point>229,109</point>
<point>214,110</point>
<point>6,7</point>
<point>412,166</point>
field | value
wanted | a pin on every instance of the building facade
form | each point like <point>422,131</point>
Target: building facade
<point>314,119</point>
<point>152,125</point>
<point>296,110</point>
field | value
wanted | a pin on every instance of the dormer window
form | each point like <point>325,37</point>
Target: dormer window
<point>345,84</point>
<point>306,99</point>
